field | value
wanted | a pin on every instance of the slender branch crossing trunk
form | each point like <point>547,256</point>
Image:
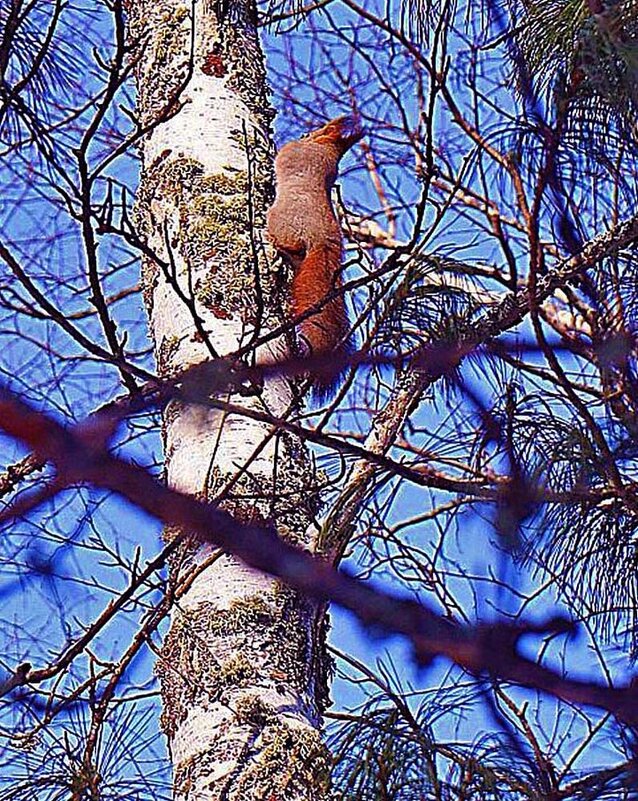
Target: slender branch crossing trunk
<point>243,666</point>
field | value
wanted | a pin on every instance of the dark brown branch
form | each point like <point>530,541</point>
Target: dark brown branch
<point>80,458</point>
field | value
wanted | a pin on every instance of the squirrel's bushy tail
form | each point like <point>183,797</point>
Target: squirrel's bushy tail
<point>326,331</point>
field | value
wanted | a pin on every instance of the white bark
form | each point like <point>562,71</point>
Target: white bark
<point>242,668</point>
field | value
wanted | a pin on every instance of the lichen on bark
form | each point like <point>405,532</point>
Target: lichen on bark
<point>238,640</point>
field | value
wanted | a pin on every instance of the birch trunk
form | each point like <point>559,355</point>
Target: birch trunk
<point>242,667</point>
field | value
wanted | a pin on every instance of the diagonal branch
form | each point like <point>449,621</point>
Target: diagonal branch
<point>410,385</point>
<point>80,456</point>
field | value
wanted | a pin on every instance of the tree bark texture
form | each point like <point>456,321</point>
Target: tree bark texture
<point>243,666</point>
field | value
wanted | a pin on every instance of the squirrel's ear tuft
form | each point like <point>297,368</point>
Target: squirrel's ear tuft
<point>351,130</point>
<point>342,132</point>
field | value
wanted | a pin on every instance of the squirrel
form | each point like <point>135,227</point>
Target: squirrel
<point>303,227</point>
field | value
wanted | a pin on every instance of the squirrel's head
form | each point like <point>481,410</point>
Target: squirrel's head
<point>342,133</point>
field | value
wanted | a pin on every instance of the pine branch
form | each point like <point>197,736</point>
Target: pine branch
<point>411,385</point>
<point>81,456</point>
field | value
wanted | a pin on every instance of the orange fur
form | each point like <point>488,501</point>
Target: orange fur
<point>315,278</point>
<point>303,226</point>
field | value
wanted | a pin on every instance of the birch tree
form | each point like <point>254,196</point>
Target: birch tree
<point>477,464</point>
<point>243,667</point>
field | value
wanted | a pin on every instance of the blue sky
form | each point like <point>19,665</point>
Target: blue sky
<point>64,564</point>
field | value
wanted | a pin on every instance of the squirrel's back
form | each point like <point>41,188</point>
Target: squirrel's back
<point>303,227</point>
<point>302,214</point>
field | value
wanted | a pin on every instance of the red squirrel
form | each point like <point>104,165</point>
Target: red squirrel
<point>302,225</point>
